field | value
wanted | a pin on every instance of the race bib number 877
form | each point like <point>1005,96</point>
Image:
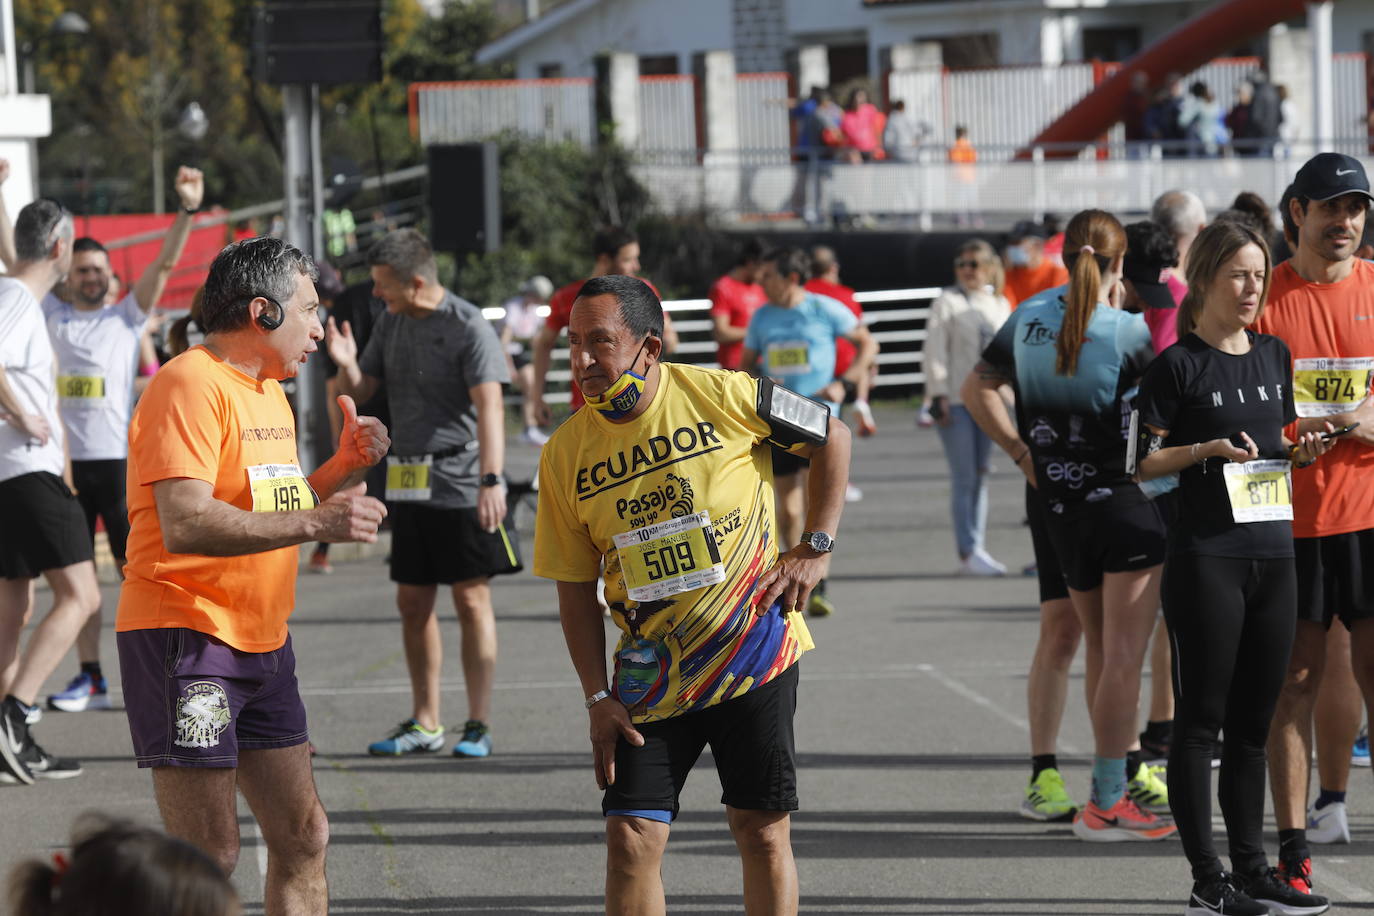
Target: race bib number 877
<point>1260,491</point>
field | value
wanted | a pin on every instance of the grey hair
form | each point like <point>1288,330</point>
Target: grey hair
<point>407,252</point>
<point>39,226</point>
<point>245,270</point>
<point>1180,212</point>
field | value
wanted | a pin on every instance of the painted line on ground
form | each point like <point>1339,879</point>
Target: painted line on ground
<point>977,698</point>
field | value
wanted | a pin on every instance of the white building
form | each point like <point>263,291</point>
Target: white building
<point>766,35</point>
<point>23,119</point>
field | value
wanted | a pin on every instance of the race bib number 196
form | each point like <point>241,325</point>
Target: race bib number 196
<point>1260,491</point>
<point>1323,387</point>
<point>677,555</point>
<point>280,488</point>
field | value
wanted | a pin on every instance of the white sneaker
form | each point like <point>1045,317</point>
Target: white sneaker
<point>980,563</point>
<point>1329,824</point>
<point>534,435</point>
<point>852,494</point>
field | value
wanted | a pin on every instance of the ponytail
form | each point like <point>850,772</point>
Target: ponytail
<point>1099,235</point>
<point>1085,288</point>
<point>31,889</point>
<point>1188,311</point>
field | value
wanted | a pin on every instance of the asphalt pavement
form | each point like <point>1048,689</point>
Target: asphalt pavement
<point>911,732</point>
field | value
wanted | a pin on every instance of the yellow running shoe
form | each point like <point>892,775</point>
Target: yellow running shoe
<point>1047,799</point>
<point>1149,790</point>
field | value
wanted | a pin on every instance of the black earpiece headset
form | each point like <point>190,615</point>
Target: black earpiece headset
<point>270,322</point>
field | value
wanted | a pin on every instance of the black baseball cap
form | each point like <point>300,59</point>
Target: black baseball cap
<point>1149,282</point>
<point>1026,229</point>
<point>1329,175</point>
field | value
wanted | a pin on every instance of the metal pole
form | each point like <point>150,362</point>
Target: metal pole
<point>298,142</point>
<point>1323,86</point>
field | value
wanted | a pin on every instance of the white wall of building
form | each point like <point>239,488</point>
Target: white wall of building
<point>642,27</point>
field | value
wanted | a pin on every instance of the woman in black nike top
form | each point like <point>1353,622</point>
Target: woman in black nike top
<point>1213,407</point>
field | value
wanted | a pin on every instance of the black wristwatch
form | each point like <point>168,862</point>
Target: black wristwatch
<point>491,480</point>
<point>818,541</point>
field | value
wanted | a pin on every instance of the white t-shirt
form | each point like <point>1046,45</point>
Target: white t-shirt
<point>97,358</point>
<point>27,355</point>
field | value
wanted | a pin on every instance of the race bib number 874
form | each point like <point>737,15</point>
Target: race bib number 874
<point>1323,387</point>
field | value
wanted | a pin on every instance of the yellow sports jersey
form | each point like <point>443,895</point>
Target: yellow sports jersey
<point>678,506</point>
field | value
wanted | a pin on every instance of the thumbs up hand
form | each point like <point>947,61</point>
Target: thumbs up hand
<point>363,441</point>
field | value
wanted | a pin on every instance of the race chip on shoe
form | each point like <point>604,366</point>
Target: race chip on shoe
<point>1323,387</point>
<point>408,479</point>
<point>280,488</point>
<point>676,555</point>
<point>1260,491</point>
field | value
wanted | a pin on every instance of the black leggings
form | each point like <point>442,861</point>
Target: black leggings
<point>1231,623</point>
<point>100,490</point>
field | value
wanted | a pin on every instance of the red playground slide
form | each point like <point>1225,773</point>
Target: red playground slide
<point>1186,48</point>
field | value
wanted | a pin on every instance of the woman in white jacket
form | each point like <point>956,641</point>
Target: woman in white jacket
<point>963,319</point>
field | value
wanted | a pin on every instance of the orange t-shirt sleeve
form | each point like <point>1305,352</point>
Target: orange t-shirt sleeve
<point>189,436</point>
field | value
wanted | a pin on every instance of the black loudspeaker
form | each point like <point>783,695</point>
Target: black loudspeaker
<point>317,41</point>
<point>464,198</point>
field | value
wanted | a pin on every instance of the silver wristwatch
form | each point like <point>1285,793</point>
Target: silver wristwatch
<point>818,541</point>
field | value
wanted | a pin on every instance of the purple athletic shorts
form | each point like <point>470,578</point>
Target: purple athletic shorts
<point>194,701</point>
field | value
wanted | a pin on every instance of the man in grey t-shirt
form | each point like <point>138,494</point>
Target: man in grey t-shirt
<point>443,367</point>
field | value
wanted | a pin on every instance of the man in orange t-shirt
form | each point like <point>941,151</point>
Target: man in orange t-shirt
<point>1029,271</point>
<point>1321,303</point>
<point>218,504</point>
<point>617,252</point>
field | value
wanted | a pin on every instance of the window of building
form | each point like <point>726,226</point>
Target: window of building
<point>970,52</point>
<point>658,65</point>
<point>1113,43</point>
<point>550,71</point>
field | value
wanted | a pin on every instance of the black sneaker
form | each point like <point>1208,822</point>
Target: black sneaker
<point>1154,751</point>
<point>1268,887</point>
<point>1219,894</point>
<point>14,735</point>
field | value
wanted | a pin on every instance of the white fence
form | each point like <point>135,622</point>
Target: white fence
<point>896,317</point>
<point>761,107</point>
<point>667,113</point>
<point>548,109</point>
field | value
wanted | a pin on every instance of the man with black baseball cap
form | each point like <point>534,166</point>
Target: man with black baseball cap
<point>1028,270</point>
<point>1150,254</point>
<point>1321,303</point>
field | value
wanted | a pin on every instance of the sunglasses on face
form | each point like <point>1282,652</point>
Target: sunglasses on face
<point>967,265</point>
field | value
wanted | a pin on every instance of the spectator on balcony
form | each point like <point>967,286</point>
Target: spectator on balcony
<point>1028,271</point>
<point>1133,113</point>
<point>1162,119</point>
<point>860,125</point>
<point>964,158</point>
<point>1266,115</point>
<point>1201,120</point>
<point>903,134</point>
<point>1288,122</point>
<point>1238,118</point>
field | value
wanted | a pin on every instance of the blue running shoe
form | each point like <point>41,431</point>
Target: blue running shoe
<point>1360,755</point>
<point>84,692</point>
<point>410,737</point>
<point>476,740</point>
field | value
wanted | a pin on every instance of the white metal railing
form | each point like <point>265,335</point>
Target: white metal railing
<point>667,112</point>
<point>919,191</point>
<point>461,112</point>
<point>761,110</point>
<point>895,316</point>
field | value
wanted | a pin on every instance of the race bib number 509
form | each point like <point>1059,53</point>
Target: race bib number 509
<point>677,555</point>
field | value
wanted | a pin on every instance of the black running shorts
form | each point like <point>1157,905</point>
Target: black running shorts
<point>785,463</point>
<point>1335,577</point>
<point>1047,568</point>
<point>100,491</point>
<point>432,546</point>
<point>751,739</point>
<point>43,528</point>
<point>1119,534</point>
